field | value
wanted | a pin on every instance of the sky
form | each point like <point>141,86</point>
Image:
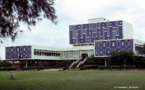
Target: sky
<point>70,12</point>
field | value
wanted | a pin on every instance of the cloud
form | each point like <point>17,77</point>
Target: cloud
<point>72,12</point>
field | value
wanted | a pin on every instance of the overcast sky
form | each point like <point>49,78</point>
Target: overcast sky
<point>71,12</point>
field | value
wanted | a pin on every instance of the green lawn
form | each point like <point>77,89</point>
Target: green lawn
<point>73,80</point>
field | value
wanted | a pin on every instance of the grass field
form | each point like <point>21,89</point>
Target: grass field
<point>73,80</point>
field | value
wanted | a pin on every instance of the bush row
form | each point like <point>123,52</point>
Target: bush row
<point>28,68</point>
<point>7,69</point>
<point>89,67</point>
<point>107,67</point>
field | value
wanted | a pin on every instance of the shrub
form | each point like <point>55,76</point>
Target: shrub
<point>116,67</point>
<point>89,67</point>
<point>7,69</point>
<point>103,67</point>
<point>130,67</point>
<point>28,68</point>
<point>40,68</point>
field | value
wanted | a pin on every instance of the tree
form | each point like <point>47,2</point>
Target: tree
<point>139,62</point>
<point>5,64</point>
<point>140,49</point>
<point>122,57</point>
<point>94,61</point>
<point>12,12</point>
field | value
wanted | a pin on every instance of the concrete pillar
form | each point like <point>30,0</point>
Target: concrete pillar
<point>26,64</point>
<point>105,62</point>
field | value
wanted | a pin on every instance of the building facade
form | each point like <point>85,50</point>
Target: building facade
<point>88,33</point>
<point>98,37</point>
<point>104,47</point>
<point>34,52</point>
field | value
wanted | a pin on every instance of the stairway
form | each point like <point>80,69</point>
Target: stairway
<point>81,60</point>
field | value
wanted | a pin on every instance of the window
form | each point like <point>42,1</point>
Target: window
<point>45,53</point>
<point>70,27</point>
<point>103,44</point>
<point>101,38</point>
<point>113,44</point>
<point>99,30</point>
<point>21,56</point>
<point>97,24</point>
<point>18,49</point>
<point>88,40</point>
<point>74,40</point>
<point>108,52</point>
<point>81,40</point>
<point>110,24</point>
<point>91,25</point>
<point>84,31</point>
<point>108,44</point>
<point>89,31</point>
<point>113,29</point>
<point>76,32</point>
<point>104,52</point>
<point>122,43</point>
<point>100,52</point>
<point>94,31</point>
<point>103,24</point>
<point>117,37</point>
<point>126,43</point>
<point>120,23</point>
<point>86,26</point>
<point>108,38</point>
<point>24,48</point>
<point>35,52</point>
<point>105,29</point>
<point>79,26</point>
<point>118,44</point>
<point>11,49</point>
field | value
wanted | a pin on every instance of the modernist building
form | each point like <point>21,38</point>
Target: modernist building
<point>98,37</point>
<point>103,30</point>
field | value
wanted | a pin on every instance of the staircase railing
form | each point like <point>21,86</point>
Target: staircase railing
<point>75,62</point>
<point>82,62</point>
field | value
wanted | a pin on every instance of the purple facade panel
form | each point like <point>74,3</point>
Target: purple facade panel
<point>111,45</point>
<point>104,31</point>
<point>84,38</point>
<point>18,52</point>
<point>79,36</point>
<point>70,37</point>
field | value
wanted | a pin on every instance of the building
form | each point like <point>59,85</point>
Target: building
<point>98,37</point>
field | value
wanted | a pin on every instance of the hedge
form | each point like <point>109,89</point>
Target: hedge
<point>89,67</point>
<point>103,67</point>
<point>28,68</point>
<point>7,69</point>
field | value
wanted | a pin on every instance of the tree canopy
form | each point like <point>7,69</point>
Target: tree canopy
<point>12,12</point>
<point>140,49</point>
<point>121,57</point>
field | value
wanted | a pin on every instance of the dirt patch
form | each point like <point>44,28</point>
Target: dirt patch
<point>50,69</point>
